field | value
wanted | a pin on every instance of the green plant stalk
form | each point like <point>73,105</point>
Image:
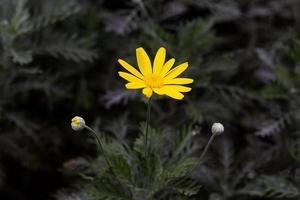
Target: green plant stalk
<point>147,136</point>
<point>100,146</point>
<point>211,139</point>
<point>147,126</point>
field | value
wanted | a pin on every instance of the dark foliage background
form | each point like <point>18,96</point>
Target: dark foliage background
<point>58,58</point>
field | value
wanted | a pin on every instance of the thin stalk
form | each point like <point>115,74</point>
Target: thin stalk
<point>203,153</point>
<point>147,125</point>
<point>100,146</point>
<point>207,147</point>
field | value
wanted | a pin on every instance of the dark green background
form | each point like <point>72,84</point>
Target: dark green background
<point>58,59</point>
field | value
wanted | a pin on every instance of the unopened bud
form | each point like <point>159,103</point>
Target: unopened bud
<point>217,128</point>
<point>78,123</point>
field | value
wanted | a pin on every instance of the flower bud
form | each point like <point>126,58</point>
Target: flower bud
<point>217,128</point>
<point>78,123</point>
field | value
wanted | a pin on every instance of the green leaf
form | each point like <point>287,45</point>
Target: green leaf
<point>271,187</point>
<point>183,167</point>
<point>66,46</point>
<point>109,188</point>
<point>21,57</point>
<point>121,168</point>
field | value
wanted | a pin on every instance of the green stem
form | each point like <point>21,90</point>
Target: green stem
<point>100,146</point>
<point>203,153</point>
<point>147,125</point>
<point>207,147</point>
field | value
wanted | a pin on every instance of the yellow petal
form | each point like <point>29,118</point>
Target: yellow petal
<point>159,91</point>
<point>175,95</point>
<point>131,69</point>
<point>178,88</point>
<point>176,71</point>
<point>135,85</point>
<point>171,92</point>
<point>147,92</point>
<point>143,61</point>
<point>130,77</point>
<point>179,81</point>
<point>167,66</point>
<point>159,60</point>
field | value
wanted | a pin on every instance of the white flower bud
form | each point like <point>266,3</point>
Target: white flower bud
<point>217,128</point>
<point>78,123</point>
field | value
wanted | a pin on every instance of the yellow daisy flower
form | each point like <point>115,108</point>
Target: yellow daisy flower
<point>160,78</point>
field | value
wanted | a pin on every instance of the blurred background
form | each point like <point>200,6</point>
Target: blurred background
<point>58,59</point>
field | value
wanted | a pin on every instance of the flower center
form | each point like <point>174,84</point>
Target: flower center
<point>153,81</point>
<point>76,120</point>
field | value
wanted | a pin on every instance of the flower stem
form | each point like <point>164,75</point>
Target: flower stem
<point>203,153</point>
<point>207,147</point>
<point>100,146</point>
<point>147,125</point>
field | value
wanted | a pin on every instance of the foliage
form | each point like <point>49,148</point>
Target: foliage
<point>243,56</point>
<point>37,60</point>
<point>138,174</point>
